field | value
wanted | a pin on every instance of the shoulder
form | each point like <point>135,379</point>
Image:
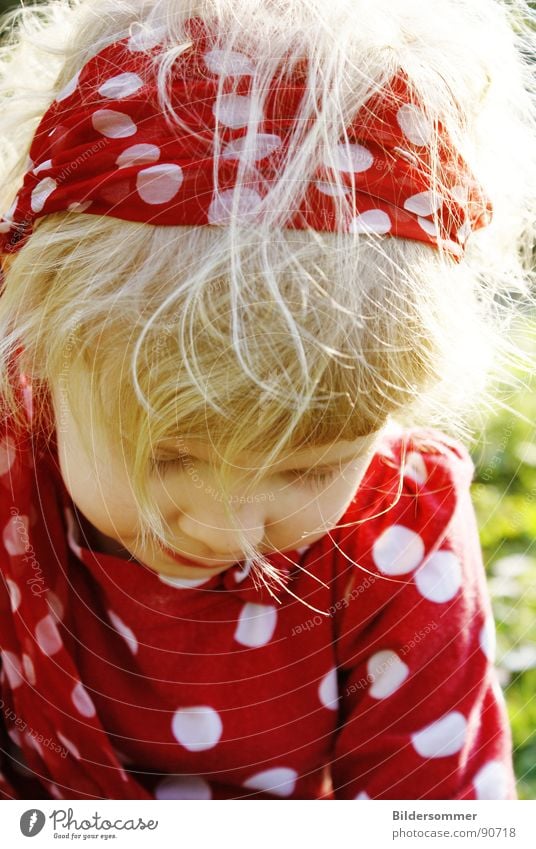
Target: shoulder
<point>408,548</point>
<point>414,499</point>
<point>420,472</point>
<point>417,454</point>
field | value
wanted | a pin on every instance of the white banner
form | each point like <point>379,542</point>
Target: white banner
<point>253,824</point>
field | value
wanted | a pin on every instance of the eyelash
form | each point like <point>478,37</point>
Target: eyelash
<point>312,478</point>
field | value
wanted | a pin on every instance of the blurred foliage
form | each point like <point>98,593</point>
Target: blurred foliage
<point>504,494</point>
<point>7,4</point>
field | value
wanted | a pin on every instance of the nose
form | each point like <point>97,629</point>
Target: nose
<point>220,536</point>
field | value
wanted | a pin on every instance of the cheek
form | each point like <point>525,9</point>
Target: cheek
<point>310,506</point>
<point>75,474</point>
<point>94,490</point>
<point>173,493</point>
<point>335,500</point>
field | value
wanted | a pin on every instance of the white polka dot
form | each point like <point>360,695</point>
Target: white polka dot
<point>122,85</point>
<point>183,787</point>
<point>8,453</point>
<point>159,183</point>
<point>423,203</point>
<point>79,206</point>
<point>252,150</point>
<point>444,737</point>
<point>35,744</point>
<point>387,672</point>
<point>302,549</point>
<point>197,728</point>
<point>126,632</point>
<point>47,635</point>
<point>69,745</point>
<point>428,226</point>
<point>280,781</point>
<point>488,639</point>
<point>241,574</point>
<point>55,791</point>
<point>350,158</point>
<point>332,189</point>
<point>82,700</point>
<point>236,110</point>
<point>54,605</point>
<point>14,594</point>
<point>398,550</point>
<point>220,209</point>
<point>15,735</point>
<point>113,125</point>
<point>459,193</point>
<point>464,231</point>
<point>15,535</point>
<point>362,796</point>
<point>491,781</point>
<point>138,154</point>
<point>68,88</point>
<point>328,690</point>
<point>453,247</point>
<point>415,467</point>
<point>8,217</point>
<point>11,211</point>
<point>72,533</point>
<point>44,166</point>
<point>28,668</point>
<point>13,669</point>
<point>414,124</point>
<point>408,155</point>
<point>371,221</point>
<point>256,624</point>
<point>228,63</point>
<point>41,193</point>
<point>144,39</point>
<point>182,583</point>
<point>440,578</point>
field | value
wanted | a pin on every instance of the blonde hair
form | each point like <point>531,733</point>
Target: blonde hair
<point>255,335</point>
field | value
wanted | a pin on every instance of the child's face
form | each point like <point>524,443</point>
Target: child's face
<point>282,513</point>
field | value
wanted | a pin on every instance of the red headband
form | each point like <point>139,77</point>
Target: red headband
<point>104,147</point>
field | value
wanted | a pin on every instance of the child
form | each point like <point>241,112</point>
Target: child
<point>256,259</point>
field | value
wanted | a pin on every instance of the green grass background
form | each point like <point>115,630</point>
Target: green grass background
<point>504,494</point>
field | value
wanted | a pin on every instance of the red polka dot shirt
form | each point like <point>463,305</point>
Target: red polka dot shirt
<point>373,678</point>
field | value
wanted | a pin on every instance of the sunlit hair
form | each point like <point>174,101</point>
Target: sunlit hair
<point>255,338</point>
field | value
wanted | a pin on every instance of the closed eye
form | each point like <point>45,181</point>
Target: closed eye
<point>311,477</point>
<point>316,477</point>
